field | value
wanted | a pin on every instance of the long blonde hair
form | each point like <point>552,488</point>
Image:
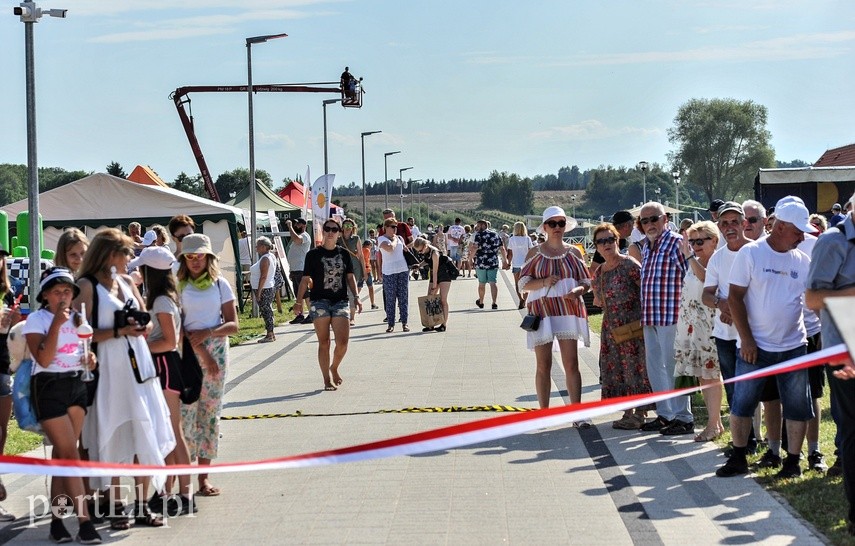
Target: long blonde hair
<point>100,253</point>
<point>69,238</point>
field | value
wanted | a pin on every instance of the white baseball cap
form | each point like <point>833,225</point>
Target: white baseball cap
<point>794,212</point>
<point>157,257</point>
<point>149,238</point>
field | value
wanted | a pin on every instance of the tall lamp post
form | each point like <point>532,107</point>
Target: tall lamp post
<point>326,102</point>
<point>643,166</point>
<point>386,174</point>
<point>676,176</point>
<point>402,185</point>
<point>412,195</point>
<point>364,203</point>
<point>249,42</point>
<point>29,13</point>
<point>573,200</point>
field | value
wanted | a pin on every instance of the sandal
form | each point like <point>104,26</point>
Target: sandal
<point>627,422</point>
<point>267,339</point>
<point>390,329</point>
<point>329,387</point>
<point>146,517</point>
<point>440,328</point>
<point>405,328</point>
<point>211,491</point>
<point>119,523</point>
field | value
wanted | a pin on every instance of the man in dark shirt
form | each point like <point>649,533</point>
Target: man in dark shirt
<point>622,221</point>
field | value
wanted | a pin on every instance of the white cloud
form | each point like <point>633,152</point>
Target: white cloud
<point>787,48</point>
<point>273,141</point>
<point>590,129</point>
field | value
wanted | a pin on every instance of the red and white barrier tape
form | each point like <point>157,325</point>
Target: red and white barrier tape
<point>473,432</point>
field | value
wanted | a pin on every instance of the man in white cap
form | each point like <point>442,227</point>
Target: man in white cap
<point>767,283</point>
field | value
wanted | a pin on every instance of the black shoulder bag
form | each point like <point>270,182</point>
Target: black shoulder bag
<point>92,386</point>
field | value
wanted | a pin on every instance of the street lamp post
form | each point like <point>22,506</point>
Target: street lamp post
<point>249,42</point>
<point>676,176</point>
<point>643,166</point>
<point>573,200</point>
<point>364,203</point>
<point>326,102</point>
<point>386,174</point>
<point>402,185</point>
<point>29,13</point>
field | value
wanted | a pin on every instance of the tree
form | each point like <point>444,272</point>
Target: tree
<point>721,143</point>
<point>236,180</point>
<point>116,170</point>
<point>507,192</point>
<point>189,184</point>
<point>794,164</point>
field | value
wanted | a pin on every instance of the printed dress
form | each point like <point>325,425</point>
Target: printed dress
<point>561,318</point>
<point>623,368</point>
<point>695,351</point>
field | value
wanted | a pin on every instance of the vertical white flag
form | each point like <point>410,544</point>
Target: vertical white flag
<point>307,194</point>
<point>321,196</point>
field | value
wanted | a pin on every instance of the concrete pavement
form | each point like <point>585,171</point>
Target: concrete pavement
<point>554,486</point>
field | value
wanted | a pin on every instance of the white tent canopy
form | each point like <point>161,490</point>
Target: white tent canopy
<point>100,200</point>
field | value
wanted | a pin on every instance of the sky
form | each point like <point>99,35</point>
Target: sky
<point>460,87</point>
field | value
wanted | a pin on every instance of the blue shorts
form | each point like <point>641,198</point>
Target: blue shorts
<point>454,253</point>
<point>486,275</point>
<point>326,308</point>
<point>5,384</point>
<point>366,279</point>
<point>794,387</point>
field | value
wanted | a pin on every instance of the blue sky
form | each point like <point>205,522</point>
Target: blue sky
<point>460,87</point>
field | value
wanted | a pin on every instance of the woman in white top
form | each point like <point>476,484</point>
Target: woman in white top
<point>210,318</point>
<point>396,276</point>
<point>58,394</point>
<point>129,419</point>
<point>518,245</point>
<point>262,280</point>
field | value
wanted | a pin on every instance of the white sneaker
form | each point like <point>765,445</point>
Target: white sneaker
<point>5,515</point>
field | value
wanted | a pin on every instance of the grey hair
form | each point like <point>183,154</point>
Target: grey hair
<point>755,205</point>
<point>262,240</point>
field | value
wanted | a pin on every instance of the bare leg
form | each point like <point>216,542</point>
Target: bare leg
<point>740,427</point>
<point>494,292</point>
<point>772,416</point>
<point>712,400</point>
<point>542,377</point>
<point>481,291</point>
<point>812,433</point>
<point>63,433</point>
<point>444,287</point>
<point>570,361</point>
<point>179,455</point>
<point>322,330</point>
<point>795,436</point>
<point>341,331</point>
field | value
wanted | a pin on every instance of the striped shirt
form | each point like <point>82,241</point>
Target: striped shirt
<point>663,267</point>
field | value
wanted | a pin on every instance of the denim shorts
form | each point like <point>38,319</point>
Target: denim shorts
<point>5,384</point>
<point>368,279</point>
<point>794,387</point>
<point>326,308</point>
<point>454,253</point>
<point>486,275</point>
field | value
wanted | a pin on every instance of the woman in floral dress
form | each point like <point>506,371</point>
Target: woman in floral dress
<point>695,352</point>
<point>623,369</point>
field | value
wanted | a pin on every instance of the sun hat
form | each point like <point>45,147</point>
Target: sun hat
<point>156,257</point>
<point>53,277</point>
<point>149,238</point>
<point>552,212</point>
<point>196,243</point>
<point>731,206</point>
<point>794,212</point>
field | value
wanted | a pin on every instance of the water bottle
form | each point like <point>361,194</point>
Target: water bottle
<point>84,334</point>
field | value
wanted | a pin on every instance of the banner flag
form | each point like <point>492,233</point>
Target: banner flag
<point>321,195</point>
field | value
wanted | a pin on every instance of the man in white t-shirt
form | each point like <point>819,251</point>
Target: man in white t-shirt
<point>767,283</point>
<point>731,223</point>
<point>755,219</point>
<point>453,238</point>
<point>414,229</point>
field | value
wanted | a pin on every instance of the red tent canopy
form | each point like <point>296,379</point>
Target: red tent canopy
<point>294,193</point>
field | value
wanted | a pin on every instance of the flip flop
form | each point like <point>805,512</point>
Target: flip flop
<point>330,388</point>
<point>209,491</point>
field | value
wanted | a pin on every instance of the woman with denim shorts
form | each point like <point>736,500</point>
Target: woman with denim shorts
<point>331,270</point>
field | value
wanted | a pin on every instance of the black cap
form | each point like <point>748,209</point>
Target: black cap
<point>300,221</point>
<point>715,205</point>
<point>621,217</point>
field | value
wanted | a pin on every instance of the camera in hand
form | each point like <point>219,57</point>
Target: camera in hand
<point>140,318</point>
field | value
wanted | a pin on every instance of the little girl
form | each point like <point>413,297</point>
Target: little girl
<point>58,394</point>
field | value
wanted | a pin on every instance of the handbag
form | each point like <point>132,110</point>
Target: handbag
<point>410,257</point>
<point>191,374</point>
<point>530,322</point>
<point>628,331</point>
<point>452,270</point>
<point>21,397</point>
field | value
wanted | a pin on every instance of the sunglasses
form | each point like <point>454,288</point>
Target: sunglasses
<point>699,242</point>
<point>605,241</point>
<point>193,256</point>
<point>555,223</point>
<point>347,226</point>
<point>331,229</point>
<point>753,219</point>
<point>650,219</point>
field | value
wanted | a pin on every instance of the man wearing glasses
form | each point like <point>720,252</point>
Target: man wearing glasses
<point>755,219</point>
<point>663,268</point>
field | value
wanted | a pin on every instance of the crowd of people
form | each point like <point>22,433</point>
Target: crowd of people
<point>685,306</point>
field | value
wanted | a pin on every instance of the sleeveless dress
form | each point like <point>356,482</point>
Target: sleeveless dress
<point>695,351</point>
<point>127,418</point>
<point>623,367</point>
<point>560,317</point>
